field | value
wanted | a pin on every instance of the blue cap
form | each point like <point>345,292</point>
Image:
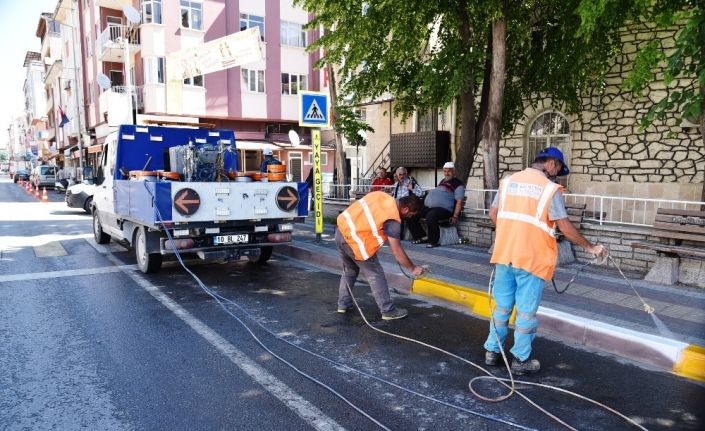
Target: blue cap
<point>555,153</point>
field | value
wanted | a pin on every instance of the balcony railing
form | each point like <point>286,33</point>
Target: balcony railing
<point>137,93</point>
<point>110,43</point>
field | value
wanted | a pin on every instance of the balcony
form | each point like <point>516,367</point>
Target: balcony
<point>113,104</point>
<point>113,4</point>
<point>110,44</point>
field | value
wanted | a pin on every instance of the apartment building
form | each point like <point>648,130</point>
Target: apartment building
<point>35,102</point>
<point>259,101</point>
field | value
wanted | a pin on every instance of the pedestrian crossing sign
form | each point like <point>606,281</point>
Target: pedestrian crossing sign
<point>314,109</point>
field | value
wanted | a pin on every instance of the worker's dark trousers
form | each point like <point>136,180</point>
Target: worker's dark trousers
<point>432,216</point>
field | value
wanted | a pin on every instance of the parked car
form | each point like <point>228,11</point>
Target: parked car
<point>22,174</point>
<point>44,176</point>
<point>80,195</point>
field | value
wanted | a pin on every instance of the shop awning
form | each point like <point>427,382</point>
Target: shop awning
<point>258,146</point>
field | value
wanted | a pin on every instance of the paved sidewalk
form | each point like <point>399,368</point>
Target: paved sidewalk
<point>599,309</point>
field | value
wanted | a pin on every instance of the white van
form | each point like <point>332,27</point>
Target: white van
<point>44,176</point>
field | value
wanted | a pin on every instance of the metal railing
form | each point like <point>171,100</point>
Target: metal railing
<point>136,91</point>
<point>381,160</point>
<point>598,209</point>
<point>627,211</point>
<point>114,35</point>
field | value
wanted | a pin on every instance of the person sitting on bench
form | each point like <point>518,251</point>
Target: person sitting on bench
<point>445,202</point>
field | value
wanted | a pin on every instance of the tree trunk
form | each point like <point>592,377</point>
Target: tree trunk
<point>468,144</point>
<point>491,129</point>
<point>339,152</point>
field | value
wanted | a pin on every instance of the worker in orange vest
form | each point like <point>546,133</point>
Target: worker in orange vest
<point>362,229</point>
<point>526,210</point>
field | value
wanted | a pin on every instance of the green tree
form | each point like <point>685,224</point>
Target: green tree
<point>489,56</point>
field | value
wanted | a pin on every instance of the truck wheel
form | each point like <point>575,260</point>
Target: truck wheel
<point>87,205</point>
<point>100,236</point>
<point>147,262</point>
<point>264,255</point>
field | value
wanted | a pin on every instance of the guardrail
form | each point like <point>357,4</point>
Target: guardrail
<point>598,209</point>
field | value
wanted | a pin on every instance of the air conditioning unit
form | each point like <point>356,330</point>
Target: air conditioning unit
<point>690,122</point>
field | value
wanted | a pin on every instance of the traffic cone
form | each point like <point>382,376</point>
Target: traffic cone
<point>36,193</point>
<point>45,198</point>
<point>27,187</point>
<point>21,183</point>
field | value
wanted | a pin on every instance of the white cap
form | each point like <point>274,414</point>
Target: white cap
<point>449,165</point>
<point>267,152</point>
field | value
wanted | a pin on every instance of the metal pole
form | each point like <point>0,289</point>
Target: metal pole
<point>78,106</point>
<point>128,78</point>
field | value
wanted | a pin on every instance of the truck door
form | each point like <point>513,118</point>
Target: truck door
<point>105,190</point>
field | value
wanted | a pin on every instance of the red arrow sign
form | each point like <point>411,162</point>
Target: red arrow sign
<point>188,202</point>
<point>288,196</point>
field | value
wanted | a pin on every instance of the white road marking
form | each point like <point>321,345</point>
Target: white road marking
<point>304,409</point>
<point>55,274</point>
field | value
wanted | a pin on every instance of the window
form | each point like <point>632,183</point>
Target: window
<point>360,114</point>
<point>153,70</point>
<point>253,80</point>
<point>196,81</point>
<point>293,35</point>
<point>89,46</point>
<point>249,21</point>
<point>324,158</point>
<point>152,11</point>
<point>291,84</point>
<point>54,27</point>
<point>191,15</point>
<point>550,129</point>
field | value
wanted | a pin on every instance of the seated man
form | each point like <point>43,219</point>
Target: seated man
<point>406,185</point>
<point>381,180</point>
<point>442,203</point>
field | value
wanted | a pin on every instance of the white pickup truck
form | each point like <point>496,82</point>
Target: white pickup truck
<point>164,190</point>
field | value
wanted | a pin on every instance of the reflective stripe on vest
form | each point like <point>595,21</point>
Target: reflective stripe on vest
<point>362,223</point>
<point>525,236</point>
<point>536,219</point>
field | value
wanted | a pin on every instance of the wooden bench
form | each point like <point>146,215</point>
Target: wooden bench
<point>671,228</point>
<point>675,226</point>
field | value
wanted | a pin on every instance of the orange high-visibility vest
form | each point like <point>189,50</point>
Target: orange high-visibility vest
<point>361,224</point>
<point>526,238</point>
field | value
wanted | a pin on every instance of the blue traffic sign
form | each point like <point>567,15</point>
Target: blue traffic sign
<point>314,109</point>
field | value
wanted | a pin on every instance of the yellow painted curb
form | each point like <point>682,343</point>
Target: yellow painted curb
<point>691,363</point>
<point>475,300</point>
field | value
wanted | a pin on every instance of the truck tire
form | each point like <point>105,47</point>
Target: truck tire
<point>264,255</point>
<point>100,236</point>
<point>147,262</point>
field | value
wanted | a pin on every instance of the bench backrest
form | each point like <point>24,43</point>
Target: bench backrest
<point>575,213</point>
<point>679,225</point>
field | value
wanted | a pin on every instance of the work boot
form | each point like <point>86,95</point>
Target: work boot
<point>398,313</point>
<point>491,358</point>
<point>528,366</point>
<point>343,310</point>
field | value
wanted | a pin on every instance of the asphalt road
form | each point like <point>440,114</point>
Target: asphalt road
<point>89,342</point>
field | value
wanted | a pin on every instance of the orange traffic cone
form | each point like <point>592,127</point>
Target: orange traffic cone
<point>45,198</point>
<point>27,187</point>
<point>21,183</point>
<point>36,193</point>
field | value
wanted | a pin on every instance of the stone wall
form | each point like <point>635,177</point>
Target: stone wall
<point>609,155</point>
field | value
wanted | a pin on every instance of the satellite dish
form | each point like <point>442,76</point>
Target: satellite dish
<point>294,137</point>
<point>132,14</point>
<point>103,81</point>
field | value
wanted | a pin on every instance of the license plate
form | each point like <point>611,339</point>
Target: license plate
<point>230,239</point>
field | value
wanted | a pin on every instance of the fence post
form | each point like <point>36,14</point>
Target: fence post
<point>602,209</point>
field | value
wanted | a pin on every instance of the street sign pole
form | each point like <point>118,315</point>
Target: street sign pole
<point>314,111</point>
<point>317,185</point>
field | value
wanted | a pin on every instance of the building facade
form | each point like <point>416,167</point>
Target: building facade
<point>123,66</point>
